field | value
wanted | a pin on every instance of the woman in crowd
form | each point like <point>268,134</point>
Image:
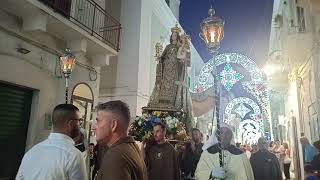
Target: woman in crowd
<point>287,160</point>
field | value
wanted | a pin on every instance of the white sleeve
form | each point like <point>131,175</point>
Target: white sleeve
<point>244,170</point>
<point>77,168</point>
<point>204,167</point>
<point>19,174</point>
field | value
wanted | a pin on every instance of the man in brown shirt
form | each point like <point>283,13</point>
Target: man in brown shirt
<point>161,157</point>
<point>123,160</point>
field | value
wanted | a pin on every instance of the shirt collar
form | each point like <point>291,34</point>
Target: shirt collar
<point>60,136</point>
<point>127,139</point>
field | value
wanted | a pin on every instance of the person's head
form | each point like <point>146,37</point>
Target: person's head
<point>262,144</point>
<point>79,138</point>
<point>196,135</point>
<point>112,122</point>
<point>184,40</point>
<point>277,143</point>
<point>285,145</point>
<point>159,132</point>
<point>66,119</point>
<point>226,136</point>
<point>254,148</point>
<point>174,38</point>
<point>91,147</point>
<point>243,148</point>
<point>271,144</point>
<point>248,148</point>
<point>304,141</point>
<point>317,145</point>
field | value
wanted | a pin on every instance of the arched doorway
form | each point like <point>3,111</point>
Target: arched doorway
<point>82,98</point>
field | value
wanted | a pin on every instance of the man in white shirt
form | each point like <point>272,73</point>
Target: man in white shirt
<point>56,158</point>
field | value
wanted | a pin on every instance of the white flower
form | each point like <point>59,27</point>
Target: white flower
<point>139,122</point>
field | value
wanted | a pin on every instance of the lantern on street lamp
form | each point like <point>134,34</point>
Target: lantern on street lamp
<point>67,62</point>
<point>212,31</point>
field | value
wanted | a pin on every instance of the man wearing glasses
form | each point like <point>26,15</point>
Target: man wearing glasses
<point>56,157</point>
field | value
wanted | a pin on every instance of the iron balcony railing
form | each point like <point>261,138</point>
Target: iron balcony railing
<point>91,17</point>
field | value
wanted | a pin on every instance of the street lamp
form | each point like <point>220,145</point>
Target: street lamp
<point>212,34</point>
<point>67,62</point>
<point>212,29</point>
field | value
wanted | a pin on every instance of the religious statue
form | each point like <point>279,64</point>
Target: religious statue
<point>171,90</point>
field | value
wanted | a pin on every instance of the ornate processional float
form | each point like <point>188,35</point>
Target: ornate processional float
<point>170,102</point>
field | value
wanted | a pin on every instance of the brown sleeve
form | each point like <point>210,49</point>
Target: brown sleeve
<point>176,165</point>
<point>184,154</point>
<point>114,167</point>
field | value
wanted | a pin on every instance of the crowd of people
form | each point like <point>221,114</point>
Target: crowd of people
<point>117,156</point>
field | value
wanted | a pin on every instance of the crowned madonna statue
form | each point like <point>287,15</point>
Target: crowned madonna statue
<point>171,86</point>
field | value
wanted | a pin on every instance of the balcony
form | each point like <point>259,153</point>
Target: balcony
<point>81,25</point>
<point>91,17</point>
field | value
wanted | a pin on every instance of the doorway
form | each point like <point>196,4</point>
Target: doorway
<point>82,98</point>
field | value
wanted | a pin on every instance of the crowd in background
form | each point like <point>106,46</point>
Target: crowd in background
<point>117,156</point>
<point>284,156</point>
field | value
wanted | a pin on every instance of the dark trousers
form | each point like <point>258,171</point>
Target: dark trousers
<point>286,170</point>
<point>94,173</point>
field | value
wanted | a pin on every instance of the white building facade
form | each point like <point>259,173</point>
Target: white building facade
<point>295,62</point>
<point>34,33</point>
<point>131,75</point>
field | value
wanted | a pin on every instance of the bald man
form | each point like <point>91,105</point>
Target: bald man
<point>123,160</point>
<point>236,167</point>
<point>56,157</point>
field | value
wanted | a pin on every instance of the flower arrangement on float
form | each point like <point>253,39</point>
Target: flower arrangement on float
<point>142,126</point>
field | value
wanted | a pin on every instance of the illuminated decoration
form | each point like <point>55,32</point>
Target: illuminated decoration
<point>256,86</point>
<point>204,82</point>
<point>229,115</point>
<point>261,92</point>
<point>242,110</point>
<point>249,131</point>
<point>229,77</point>
<point>256,117</point>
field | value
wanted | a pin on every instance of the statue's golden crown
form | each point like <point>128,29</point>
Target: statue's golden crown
<point>176,29</point>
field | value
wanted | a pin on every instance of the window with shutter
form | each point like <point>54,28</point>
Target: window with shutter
<point>15,105</point>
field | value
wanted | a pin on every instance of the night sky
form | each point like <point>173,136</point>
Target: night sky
<point>247,26</point>
<point>247,31</point>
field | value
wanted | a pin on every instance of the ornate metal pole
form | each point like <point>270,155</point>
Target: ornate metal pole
<point>216,112</point>
<point>67,90</point>
<point>212,33</point>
